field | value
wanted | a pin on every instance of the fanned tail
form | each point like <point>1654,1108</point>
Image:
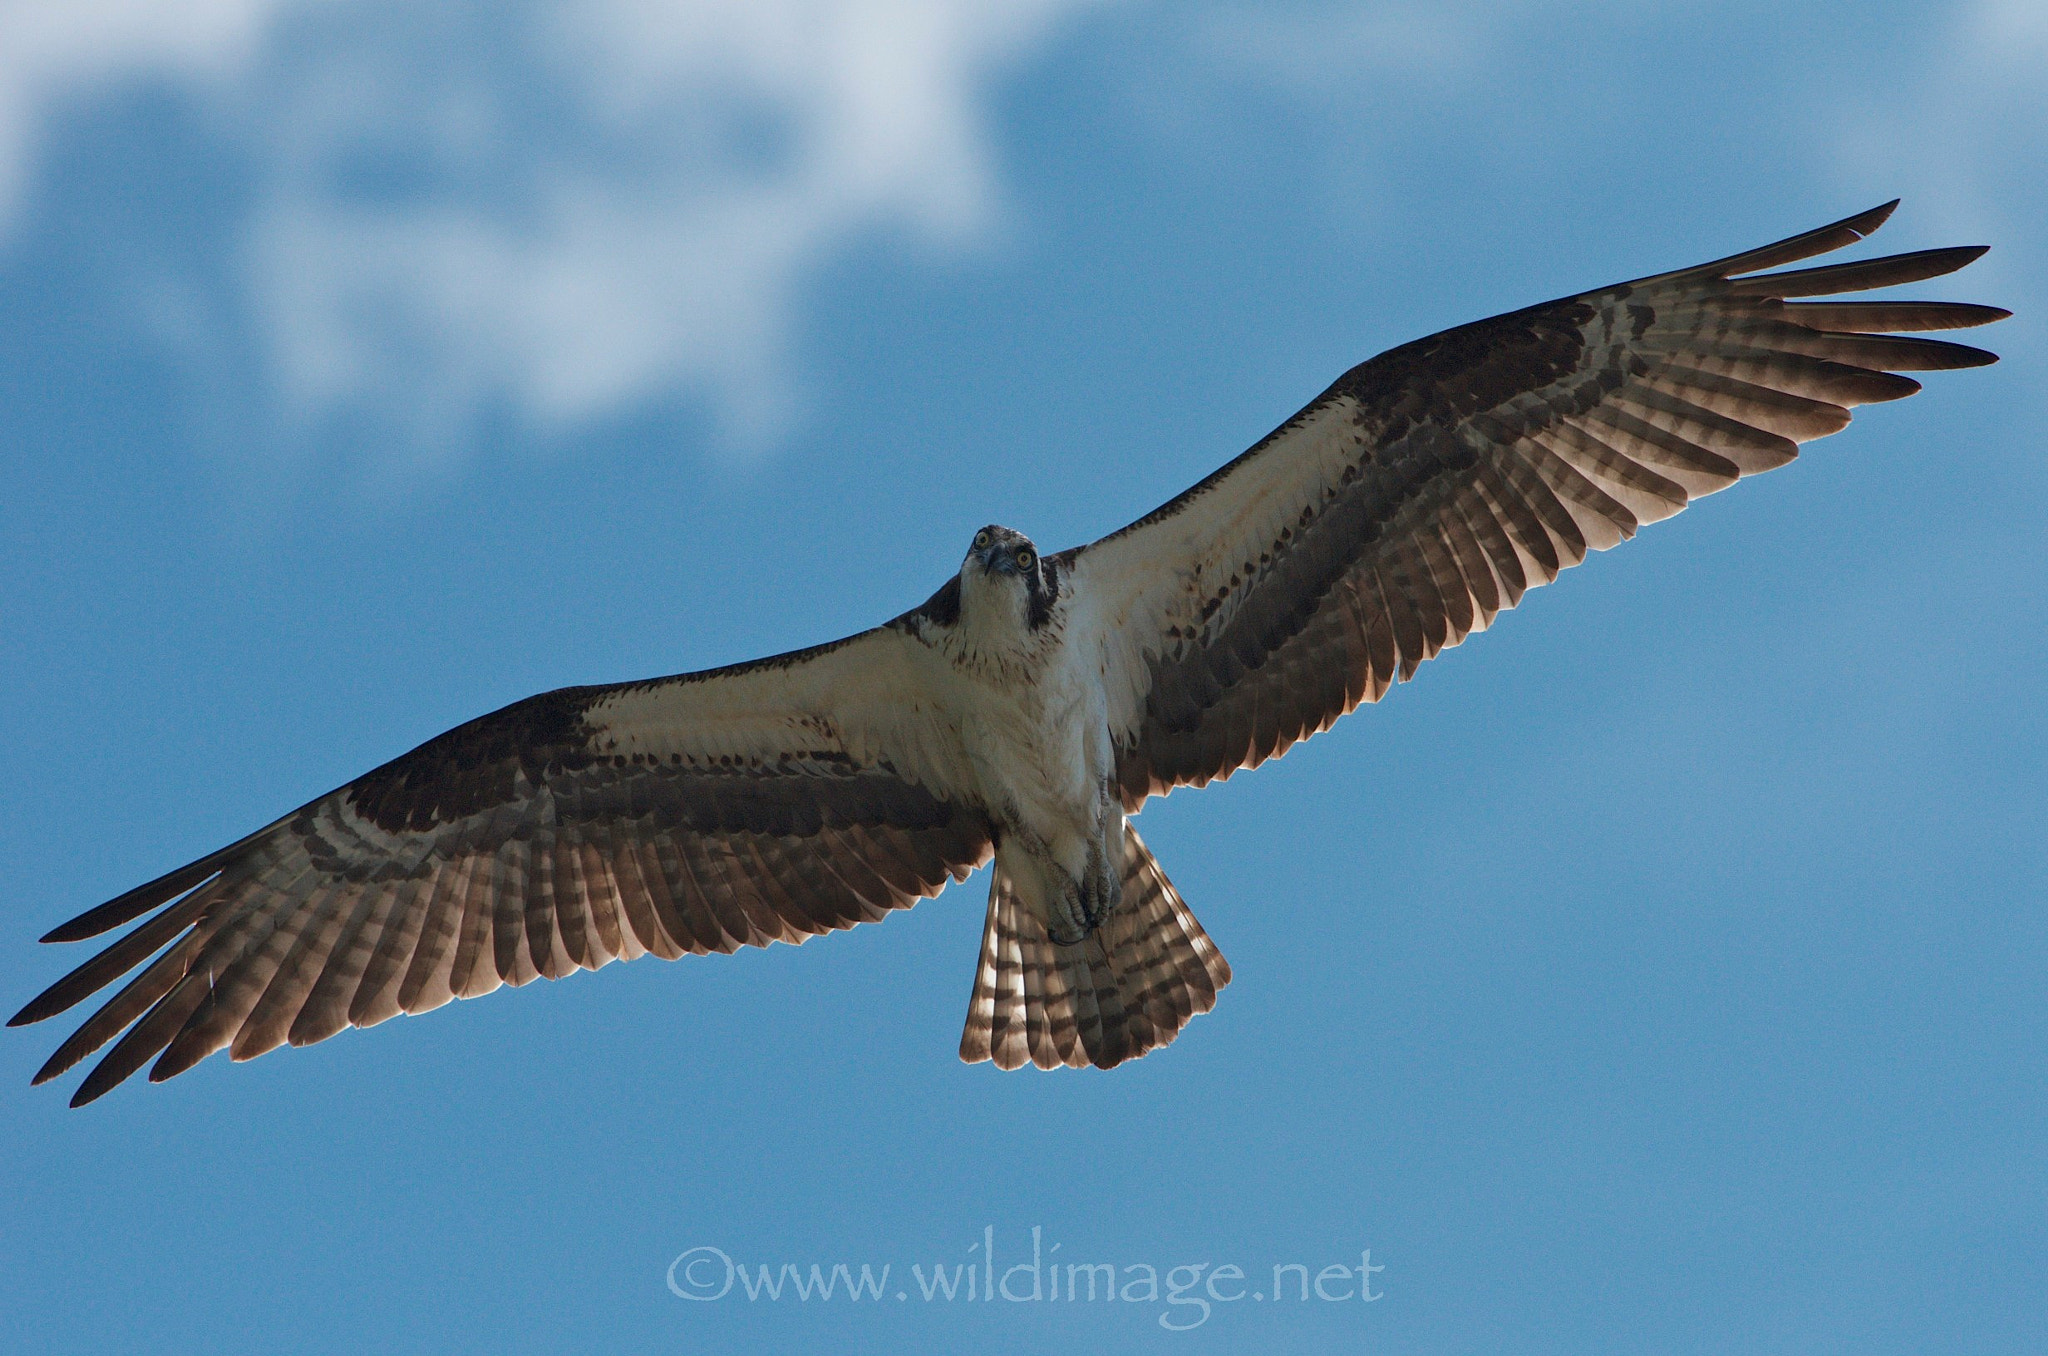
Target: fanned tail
<point>1128,987</point>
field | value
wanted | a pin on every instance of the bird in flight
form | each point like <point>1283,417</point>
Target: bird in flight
<point>1026,709</point>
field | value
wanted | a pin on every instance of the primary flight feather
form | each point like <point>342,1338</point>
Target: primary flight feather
<point>1024,710</point>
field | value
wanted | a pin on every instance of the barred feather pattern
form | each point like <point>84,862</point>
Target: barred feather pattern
<point>532,843</point>
<point>1429,489</point>
<point>1127,988</point>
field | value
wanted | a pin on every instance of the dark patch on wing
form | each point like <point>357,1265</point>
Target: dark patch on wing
<point>1448,377</point>
<point>1461,367</point>
<point>1043,589</point>
<point>489,761</point>
<point>941,609</point>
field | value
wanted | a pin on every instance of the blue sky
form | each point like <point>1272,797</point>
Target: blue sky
<point>1662,971</point>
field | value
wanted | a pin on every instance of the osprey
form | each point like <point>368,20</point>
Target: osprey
<point>1026,709</point>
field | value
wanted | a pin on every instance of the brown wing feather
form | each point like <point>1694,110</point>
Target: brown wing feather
<point>562,833</point>
<point>1438,481</point>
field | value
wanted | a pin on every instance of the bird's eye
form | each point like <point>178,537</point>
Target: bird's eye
<point>1026,559</point>
<point>981,540</point>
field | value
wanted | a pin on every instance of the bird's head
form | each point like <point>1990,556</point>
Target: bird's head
<point>1004,572</point>
<point>1002,551</point>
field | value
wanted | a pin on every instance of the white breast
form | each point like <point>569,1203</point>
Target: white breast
<point>1035,728</point>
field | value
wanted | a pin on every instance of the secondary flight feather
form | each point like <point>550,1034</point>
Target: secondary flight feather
<point>1026,710</point>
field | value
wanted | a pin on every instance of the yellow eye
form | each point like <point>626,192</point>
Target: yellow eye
<point>1025,559</point>
<point>981,540</point>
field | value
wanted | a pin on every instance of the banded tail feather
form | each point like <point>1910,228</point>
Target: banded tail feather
<point>1125,989</point>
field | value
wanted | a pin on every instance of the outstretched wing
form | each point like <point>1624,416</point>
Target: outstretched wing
<point>1427,489</point>
<point>771,801</point>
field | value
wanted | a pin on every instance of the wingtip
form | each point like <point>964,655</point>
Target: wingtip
<point>127,907</point>
<point>1866,223</point>
<point>103,1079</point>
<point>105,918</point>
<point>44,1005</point>
<point>1820,240</point>
<point>61,1061</point>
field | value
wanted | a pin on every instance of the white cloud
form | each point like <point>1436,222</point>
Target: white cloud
<point>50,53</point>
<point>561,210</point>
<point>556,209</point>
